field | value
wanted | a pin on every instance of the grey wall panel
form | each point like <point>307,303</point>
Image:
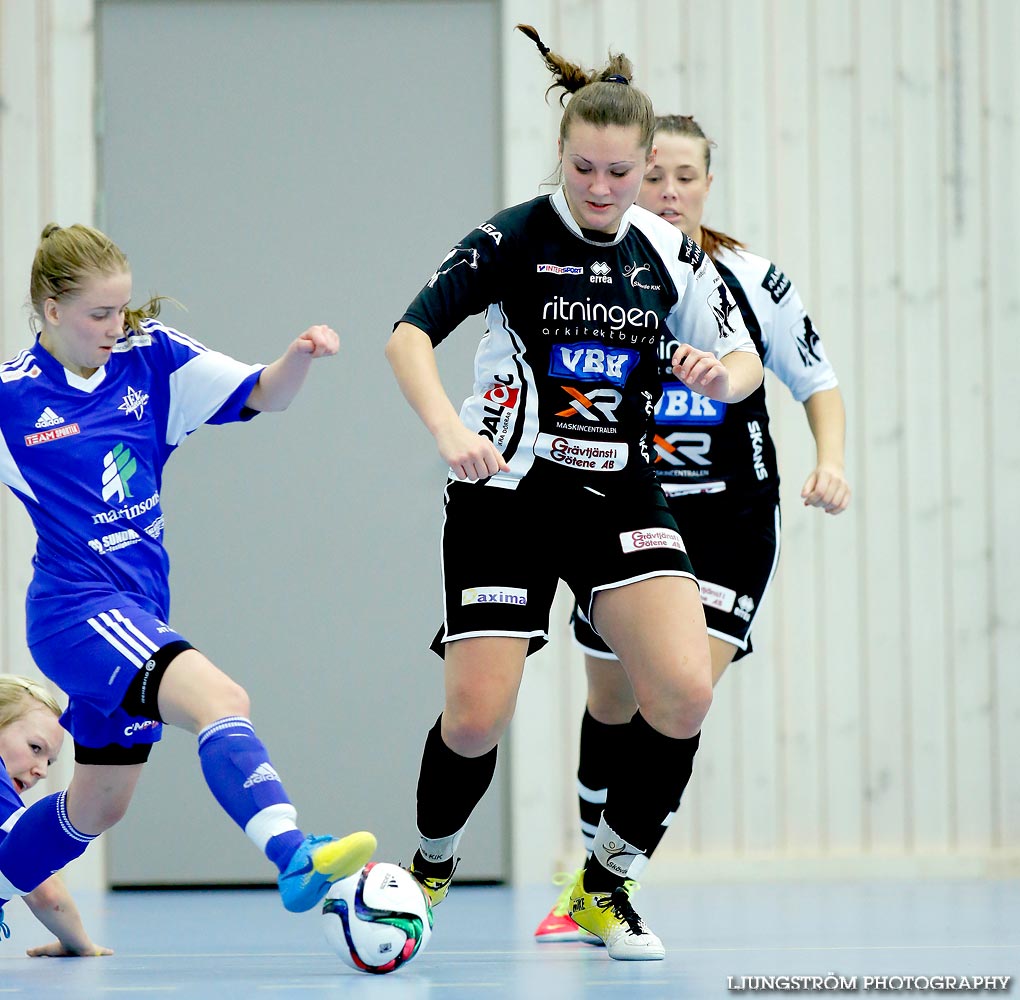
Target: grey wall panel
<point>273,165</point>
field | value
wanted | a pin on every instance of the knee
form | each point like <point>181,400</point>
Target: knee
<point>471,736</point>
<point>610,695</point>
<point>681,712</point>
<point>96,814</point>
<point>226,698</point>
<point>234,699</point>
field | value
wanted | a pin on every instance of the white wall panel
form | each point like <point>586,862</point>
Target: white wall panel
<point>1000,130</point>
<point>47,173</point>
<point>869,149</point>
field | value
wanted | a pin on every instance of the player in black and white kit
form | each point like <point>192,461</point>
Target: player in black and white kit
<point>551,477</point>
<point>717,464</point>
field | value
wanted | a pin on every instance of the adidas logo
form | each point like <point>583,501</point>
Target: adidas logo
<point>264,772</point>
<point>48,419</point>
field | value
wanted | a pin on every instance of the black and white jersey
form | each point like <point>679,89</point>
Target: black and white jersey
<point>701,446</point>
<point>569,368</point>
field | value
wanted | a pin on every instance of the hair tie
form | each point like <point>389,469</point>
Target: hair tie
<point>618,78</point>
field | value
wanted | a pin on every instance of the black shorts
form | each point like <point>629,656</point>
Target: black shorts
<point>734,551</point>
<point>504,551</point>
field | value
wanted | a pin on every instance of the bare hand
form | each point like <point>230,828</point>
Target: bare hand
<point>827,488</point>
<point>56,949</point>
<point>318,341</point>
<point>701,371</point>
<point>470,456</point>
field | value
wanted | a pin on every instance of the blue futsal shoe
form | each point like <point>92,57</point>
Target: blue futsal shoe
<point>317,863</point>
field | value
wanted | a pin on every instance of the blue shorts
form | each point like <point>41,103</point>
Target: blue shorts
<point>94,663</point>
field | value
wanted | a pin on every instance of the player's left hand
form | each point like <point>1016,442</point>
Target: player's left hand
<point>701,371</point>
<point>56,949</point>
<point>827,488</point>
<point>318,342</point>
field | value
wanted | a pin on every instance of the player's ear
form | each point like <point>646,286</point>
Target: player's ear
<point>51,311</point>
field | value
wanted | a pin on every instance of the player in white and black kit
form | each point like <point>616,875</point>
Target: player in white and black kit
<point>89,415</point>
<point>717,464</point>
<point>552,478</point>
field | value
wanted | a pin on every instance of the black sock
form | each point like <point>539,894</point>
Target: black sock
<point>449,787</point>
<point>642,796</point>
<point>600,743</point>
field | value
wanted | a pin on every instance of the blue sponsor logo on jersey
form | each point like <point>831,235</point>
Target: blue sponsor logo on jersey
<point>679,405</point>
<point>591,362</point>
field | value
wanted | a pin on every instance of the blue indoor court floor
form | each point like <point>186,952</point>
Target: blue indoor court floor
<point>241,944</point>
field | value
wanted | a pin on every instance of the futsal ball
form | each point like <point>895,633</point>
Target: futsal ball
<point>377,919</point>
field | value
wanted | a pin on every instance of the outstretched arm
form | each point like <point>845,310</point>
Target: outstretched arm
<point>827,487</point>
<point>53,906</point>
<point>410,354</point>
<point>281,381</point>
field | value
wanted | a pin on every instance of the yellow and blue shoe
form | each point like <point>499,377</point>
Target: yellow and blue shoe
<point>612,916</point>
<point>317,863</point>
<point>558,925</point>
<point>435,889</point>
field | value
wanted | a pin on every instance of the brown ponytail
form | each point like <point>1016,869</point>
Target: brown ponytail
<point>599,97</point>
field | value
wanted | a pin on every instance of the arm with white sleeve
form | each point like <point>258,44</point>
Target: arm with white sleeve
<point>794,352</point>
<point>715,355</point>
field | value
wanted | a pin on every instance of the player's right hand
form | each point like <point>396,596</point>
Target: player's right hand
<point>470,456</point>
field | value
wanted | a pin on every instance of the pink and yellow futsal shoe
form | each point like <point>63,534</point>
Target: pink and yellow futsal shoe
<point>558,925</point>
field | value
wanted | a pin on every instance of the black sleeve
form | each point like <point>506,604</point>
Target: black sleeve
<point>465,283</point>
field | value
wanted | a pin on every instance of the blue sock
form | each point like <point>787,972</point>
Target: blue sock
<point>40,843</point>
<point>238,772</point>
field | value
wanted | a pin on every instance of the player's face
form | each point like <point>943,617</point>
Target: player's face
<point>80,329</point>
<point>29,746</point>
<point>676,184</point>
<point>602,171</point>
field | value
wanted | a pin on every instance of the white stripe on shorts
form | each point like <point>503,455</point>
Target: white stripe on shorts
<point>114,631</point>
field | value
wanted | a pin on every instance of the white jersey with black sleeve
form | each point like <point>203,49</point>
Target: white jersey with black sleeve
<point>86,457</point>
<point>702,446</point>
<point>567,372</point>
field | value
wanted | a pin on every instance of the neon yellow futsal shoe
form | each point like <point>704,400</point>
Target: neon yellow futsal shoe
<point>435,889</point>
<point>558,925</point>
<point>612,916</point>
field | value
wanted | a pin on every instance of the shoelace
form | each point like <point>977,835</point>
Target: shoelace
<point>567,880</point>
<point>434,882</point>
<point>619,900</point>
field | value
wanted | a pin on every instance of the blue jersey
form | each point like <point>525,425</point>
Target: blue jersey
<point>86,458</point>
<point>10,802</point>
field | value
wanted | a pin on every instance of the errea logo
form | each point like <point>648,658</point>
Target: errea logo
<point>600,273</point>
